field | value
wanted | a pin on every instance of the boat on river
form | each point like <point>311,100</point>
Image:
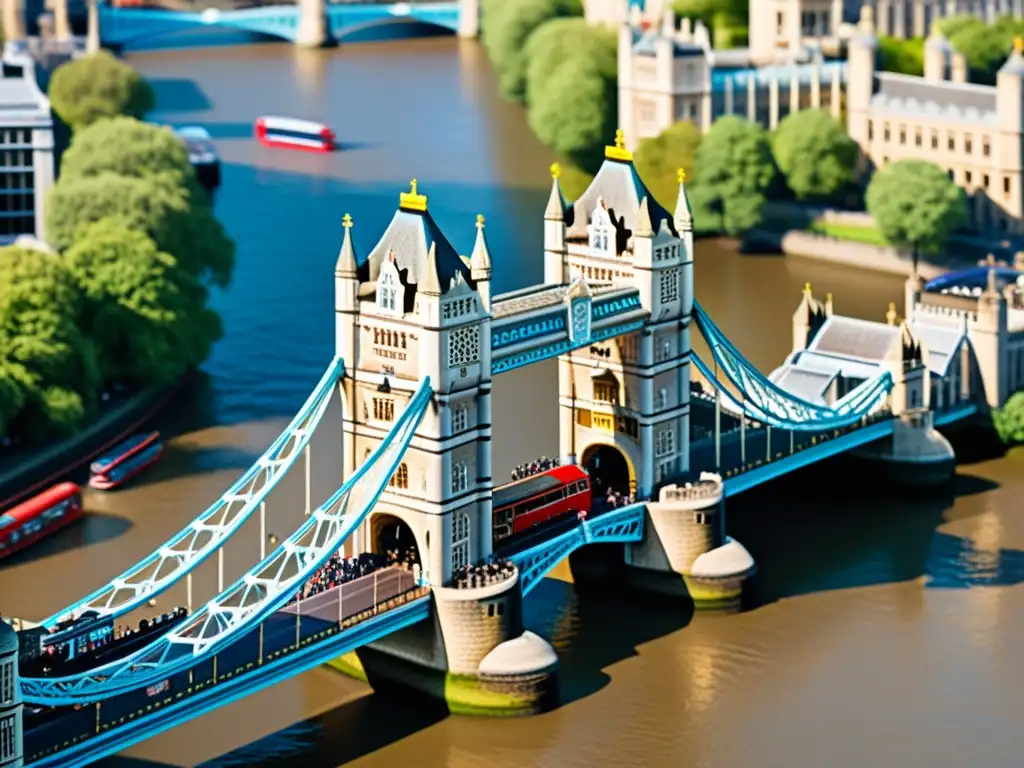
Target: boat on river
<point>290,133</point>
<point>202,155</point>
<point>125,460</point>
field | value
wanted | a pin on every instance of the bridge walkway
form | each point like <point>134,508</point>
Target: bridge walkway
<point>296,638</point>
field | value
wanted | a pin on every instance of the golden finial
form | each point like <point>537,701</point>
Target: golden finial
<point>807,288</point>
<point>681,174</point>
<point>479,221</point>
<point>1018,44</point>
<point>619,151</point>
<point>411,200</point>
<point>556,170</point>
<point>346,221</point>
<point>828,297</point>
<point>890,316</point>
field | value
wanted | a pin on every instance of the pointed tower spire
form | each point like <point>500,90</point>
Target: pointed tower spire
<point>430,285</point>
<point>555,210</point>
<point>683,217</point>
<point>480,261</point>
<point>643,220</point>
<point>346,266</point>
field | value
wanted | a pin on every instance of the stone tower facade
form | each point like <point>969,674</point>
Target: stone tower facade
<point>415,308</point>
<point>779,29</point>
<point>11,743</point>
<point>630,394</point>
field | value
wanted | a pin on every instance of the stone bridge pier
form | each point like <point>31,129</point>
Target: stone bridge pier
<point>314,30</point>
<point>13,19</point>
<point>469,18</point>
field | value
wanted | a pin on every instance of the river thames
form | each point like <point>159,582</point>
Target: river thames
<point>887,629</point>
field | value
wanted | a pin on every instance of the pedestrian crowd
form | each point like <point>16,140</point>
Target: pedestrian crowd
<point>543,464</point>
<point>483,575</point>
<point>340,569</point>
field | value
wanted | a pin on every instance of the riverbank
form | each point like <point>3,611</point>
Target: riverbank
<point>25,473</point>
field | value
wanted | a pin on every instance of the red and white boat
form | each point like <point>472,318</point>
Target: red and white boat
<point>295,134</point>
<point>125,460</point>
<point>39,516</point>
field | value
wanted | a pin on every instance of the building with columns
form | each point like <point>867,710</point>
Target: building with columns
<point>973,131</point>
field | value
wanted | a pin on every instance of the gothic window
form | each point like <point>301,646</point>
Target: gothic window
<point>401,478</point>
<point>460,477</point>
<point>383,409</point>
<point>8,731</point>
<point>463,347</point>
<point>602,233</point>
<point>662,350</point>
<point>460,418</point>
<point>669,286</point>
<point>390,292</point>
<point>665,443</point>
<point>460,540</point>
<point>605,392</point>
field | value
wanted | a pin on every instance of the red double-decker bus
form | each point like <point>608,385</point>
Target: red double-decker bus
<point>545,496</point>
<point>40,516</point>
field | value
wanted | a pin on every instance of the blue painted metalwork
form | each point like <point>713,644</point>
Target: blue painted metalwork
<point>953,413</point>
<point>526,357</point>
<point>622,525</point>
<point>615,306</point>
<point>257,594</point>
<point>534,327</point>
<point>764,401</point>
<point>126,25</point>
<point>225,692</point>
<point>180,554</point>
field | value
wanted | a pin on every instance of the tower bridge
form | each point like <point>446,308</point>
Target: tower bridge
<point>419,339</point>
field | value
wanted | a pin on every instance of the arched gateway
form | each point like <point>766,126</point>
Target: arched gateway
<point>609,468</point>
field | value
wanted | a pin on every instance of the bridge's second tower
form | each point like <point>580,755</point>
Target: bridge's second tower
<point>625,403</point>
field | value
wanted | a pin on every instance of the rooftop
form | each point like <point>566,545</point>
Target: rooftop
<point>906,94</point>
<point>854,338</point>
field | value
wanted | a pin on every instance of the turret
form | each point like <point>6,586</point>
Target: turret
<point>1009,101</point>
<point>808,318</point>
<point>991,343</point>
<point>480,264</point>
<point>683,215</point>
<point>937,55</point>
<point>346,294</point>
<point>861,62</point>
<point>554,231</point>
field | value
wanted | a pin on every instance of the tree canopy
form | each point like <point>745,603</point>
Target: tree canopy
<point>147,316</point>
<point>127,147</point>
<point>99,85</point>
<point>905,57</point>
<point>734,170</point>
<point>814,152</point>
<point>505,28</point>
<point>559,40</point>
<point>727,19</point>
<point>1009,420</point>
<point>576,113</point>
<point>49,372</point>
<point>178,222</point>
<point>916,205</point>
<point>985,46</point>
<point>658,159</point>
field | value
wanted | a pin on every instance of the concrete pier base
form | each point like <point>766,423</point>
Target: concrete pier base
<point>314,30</point>
<point>917,456</point>
<point>469,18</point>
<point>473,655</point>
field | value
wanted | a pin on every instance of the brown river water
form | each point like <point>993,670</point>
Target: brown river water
<point>887,627</point>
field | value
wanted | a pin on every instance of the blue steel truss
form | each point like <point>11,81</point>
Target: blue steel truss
<point>180,554</point>
<point>126,25</point>
<point>615,526</point>
<point>519,359</point>
<point>764,401</point>
<point>257,594</point>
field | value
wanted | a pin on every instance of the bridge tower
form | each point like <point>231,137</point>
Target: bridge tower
<point>314,30</point>
<point>12,743</point>
<point>416,308</point>
<point>625,403</point>
<point>61,21</point>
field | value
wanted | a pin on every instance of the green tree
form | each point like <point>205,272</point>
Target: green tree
<point>127,147</point>
<point>814,152</point>
<point>659,159</point>
<point>147,316</point>
<point>1009,420</point>
<point>577,113</point>
<point>85,90</point>
<point>180,223</point>
<point>505,27</point>
<point>733,171</point>
<point>560,40</point>
<point>905,57</point>
<point>49,374</point>
<point>727,19</point>
<point>915,205</point>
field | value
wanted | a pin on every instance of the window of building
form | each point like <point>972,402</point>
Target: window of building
<point>985,181</point>
<point>669,286</point>
<point>807,19</point>
<point>463,346</point>
<point>952,174</point>
<point>967,177</point>
<point>460,540</point>
<point>662,350</point>
<point>460,418</point>
<point>1007,185</point>
<point>383,409</point>
<point>664,469</point>
<point>918,137</point>
<point>7,682</point>
<point>628,348</point>
<point>390,293</point>
<point>871,130</point>
<point>458,308</point>
<point>17,201</point>
<point>968,143</point>
<point>661,401</point>
<point>885,160</point>
<point>935,139</point>
<point>606,392</point>
<point>951,142</point>
<point>665,442</point>
<point>780,23</point>
<point>903,134</point>
<point>602,233</point>
<point>460,477</point>
<point>986,146</point>
<point>886,135</point>
<point>401,477</point>
<point>8,747</point>
<point>628,426</point>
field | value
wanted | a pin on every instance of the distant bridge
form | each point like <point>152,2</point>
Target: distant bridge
<point>310,22</point>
